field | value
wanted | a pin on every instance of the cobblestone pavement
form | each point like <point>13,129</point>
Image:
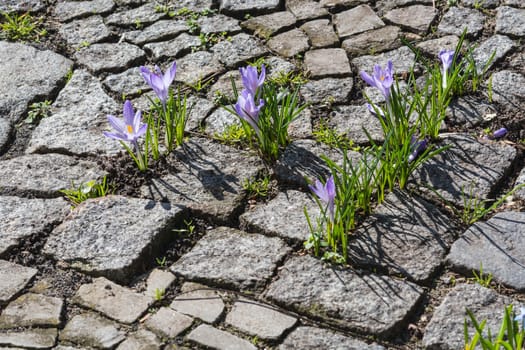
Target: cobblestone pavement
<point>87,278</point>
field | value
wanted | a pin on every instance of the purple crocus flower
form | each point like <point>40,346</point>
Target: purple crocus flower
<point>499,133</point>
<point>382,79</point>
<point>128,129</point>
<point>251,79</point>
<point>159,82</point>
<point>326,193</point>
<point>247,110</point>
<point>446,57</point>
<point>417,147</point>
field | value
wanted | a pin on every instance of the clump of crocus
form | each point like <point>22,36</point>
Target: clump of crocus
<point>446,57</point>
<point>382,79</point>
<point>171,110</point>
<point>265,110</point>
<point>129,130</point>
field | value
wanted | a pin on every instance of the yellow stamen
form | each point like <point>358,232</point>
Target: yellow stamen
<point>382,77</point>
<point>130,129</point>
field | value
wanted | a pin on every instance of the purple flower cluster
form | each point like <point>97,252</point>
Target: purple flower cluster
<point>158,81</point>
<point>381,79</point>
<point>246,106</point>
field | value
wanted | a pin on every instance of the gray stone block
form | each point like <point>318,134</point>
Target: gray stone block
<point>416,18</point>
<point>321,33</point>
<point>91,330</point>
<point>86,239</point>
<point>138,16</point>
<point>369,304</point>
<point>268,25</point>
<point>196,67</point>
<point>356,20</point>
<point>323,63</point>
<point>33,310</point>
<point>353,120</point>
<point>456,19</point>
<point>168,323</point>
<point>31,338</point>
<point>114,301</point>
<point>14,279</point>
<point>239,49</point>
<point>311,338</point>
<point>510,21</point>
<point>497,245</point>
<point>216,339</point>
<point>235,259</point>
<point>508,89</point>
<point>68,10</point>
<point>142,339</point>
<point>108,57</point>
<point>290,43</point>
<point>21,218</point>
<point>158,31</point>
<point>200,302</point>
<point>84,32</point>
<point>373,41</point>
<point>260,320</point>
<point>327,91</point>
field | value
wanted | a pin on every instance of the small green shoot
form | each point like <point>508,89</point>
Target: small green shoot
<point>481,279</point>
<point>159,294</point>
<point>162,262</point>
<point>90,189</point>
<point>256,188</point>
<point>37,111</point>
<point>234,134</point>
<point>190,228</point>
<point>323,133</point>
<point>21,27</point>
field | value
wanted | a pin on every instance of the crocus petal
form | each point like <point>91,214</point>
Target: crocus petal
<point>146,74</point>
<point>157,84</point>
<point>499,133</point>
<point>136,121</point>
<point>129,114</point>
<point>117,124</point>
<point>367,78</point>
<point>169,76</point>
<point>115,136</point>
<point>141,130</point>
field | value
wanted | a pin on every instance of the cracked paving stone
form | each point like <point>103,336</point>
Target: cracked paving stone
<point>351,120</point>
<point>290,43</point>
<point>470,111</point>
<point>32,310</point>
<point>321,33</point>
<point>260,320</point>
<point>242,47</point>
<point>311,338</point>
<point>500,45</point>
<point>22,6</point>
<point>306,9</point>
<point>84,32</point>
<point>267,25</point>
<point>209,181</point>
<point>196,67</point>
<point>371,304</point>
<point>497,245</point>
<point>142,339</point>
<point>445,329</point>
<point>86,239</point>
<point>322,63</point>
<point>200,302</point>
<point>198,109</point>
<point>378,40</point>
<point>403,59</point>
<point>456,19</point>
<point>508,88</point>
<point>510,21</point>
<point>78,118</point>
<point>417,18</point>
<point>114,301</point>
<point>234,259</point>
<point>6,133</point>
<point>468,166</point>
<point>387,5</point>
<point>68,10</point>
<point>216,339</point>
<point>21,218</point>
<point>283,216</point>
<point>168,323</point>
<point>91,330</point>
<point>158,31</point>
<point>14,278</point>
<point>21,67</point>
<point>405,235</point>
<point>356,20</point>
<point>177,47</point>
<point>327,90</point>
<point>45,174</point>
<point>110,57</point>
<point>143,15</point>
<point>31,338</point>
